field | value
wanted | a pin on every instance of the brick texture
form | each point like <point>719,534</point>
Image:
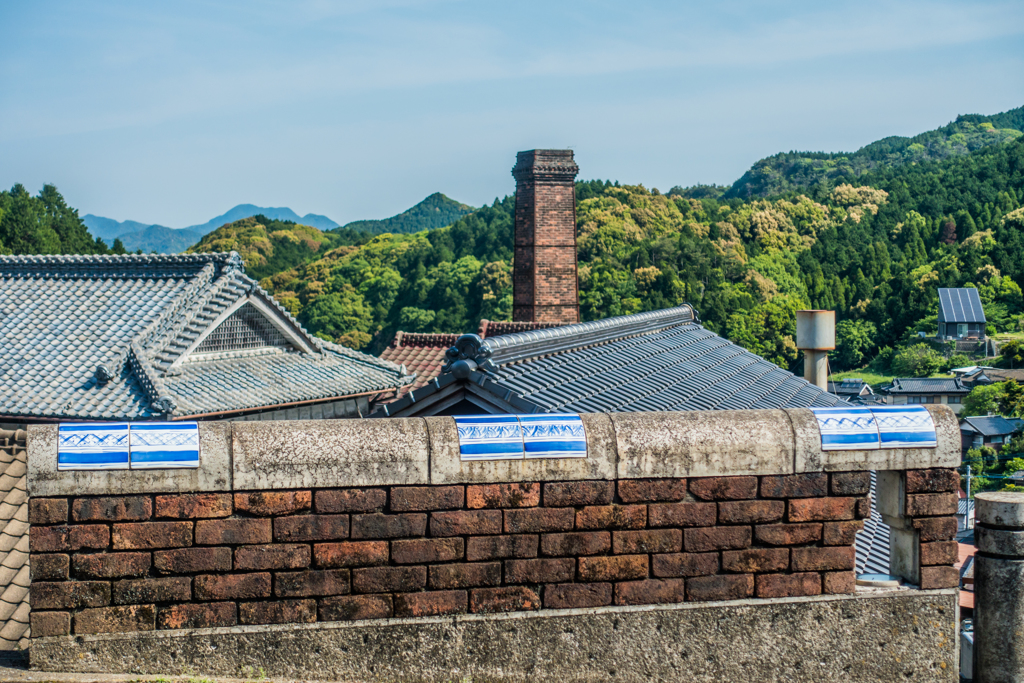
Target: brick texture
<point>201,560</point>
<point>194,506</point>
<point>503,496</point>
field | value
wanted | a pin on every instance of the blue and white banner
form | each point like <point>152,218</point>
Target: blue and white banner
<point>846,429</point>
<point>99,446</point>
<point>164,445</point>
<point>905,427</point>
<point>553,435</point>
<point>490,437</point>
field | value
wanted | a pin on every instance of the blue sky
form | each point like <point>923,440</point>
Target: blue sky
<point>174,112</point>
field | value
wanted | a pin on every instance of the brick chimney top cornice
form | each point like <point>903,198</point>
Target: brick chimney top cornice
<point>552,165</point>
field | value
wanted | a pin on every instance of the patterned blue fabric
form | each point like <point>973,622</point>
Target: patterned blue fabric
<point>553,435</point>
<point>164,445</point>
<point>905,427</point>
<point>846,429</point>
<point>101,446</point>
<point>490,437</point>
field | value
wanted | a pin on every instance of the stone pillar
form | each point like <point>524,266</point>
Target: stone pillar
<point>999,588</point>
<point>544,285</point>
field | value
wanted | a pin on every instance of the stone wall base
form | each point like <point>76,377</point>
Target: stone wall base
<point>904,635</point>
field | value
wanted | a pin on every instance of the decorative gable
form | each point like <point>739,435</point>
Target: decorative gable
<point>245,329</point>
<point>249,327</point>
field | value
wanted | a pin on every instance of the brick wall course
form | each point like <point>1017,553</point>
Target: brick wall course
<point>199,560</point>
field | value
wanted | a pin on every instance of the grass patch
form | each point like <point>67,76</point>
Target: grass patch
<point>864,374</point>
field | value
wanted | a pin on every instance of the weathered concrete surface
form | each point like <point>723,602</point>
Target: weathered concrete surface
<point>999,588</point>
<point>1000,541</point>
<point>703,443</point>
<point>213,474</point>
<point>880,636</point>
<point>1000,508</point>
<point>998,619</point>
<point>328,453</point>
<point>446,466</point>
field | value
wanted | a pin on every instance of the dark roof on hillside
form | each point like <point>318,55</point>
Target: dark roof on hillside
<point>926,385</point>
<point>1001,375</point>
<point>849,387</point>
<point>661,360</point>
<point>135,337</point>
<point>992,425</point>
<point>961,305</point>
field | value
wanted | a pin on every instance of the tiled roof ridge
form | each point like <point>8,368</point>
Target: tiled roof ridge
<point>160,398</point>
<point>367,359</point>
<point>115,265</point>
<point>428,340</point>
<point>176,316</point>
<point>499,328</point>
<point>522,345</point>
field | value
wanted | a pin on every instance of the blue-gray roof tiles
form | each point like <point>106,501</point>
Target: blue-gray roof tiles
<point>62,317</point>
<point>655,361</point>
<point>926,385</point>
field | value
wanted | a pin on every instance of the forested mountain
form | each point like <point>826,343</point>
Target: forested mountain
<point>435,211</point>
<point>875,252</point>
<point>792,171</point>
<point>43,224</point>
<point>270,246</point>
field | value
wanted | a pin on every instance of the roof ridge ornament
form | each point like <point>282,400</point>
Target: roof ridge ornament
<point>469,354</point>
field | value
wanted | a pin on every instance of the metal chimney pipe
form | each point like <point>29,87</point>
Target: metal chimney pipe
<point>816,336</point>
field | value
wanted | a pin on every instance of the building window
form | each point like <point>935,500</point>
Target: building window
<point>921,399</point>
<point>954,399</point>
<point>961,330</point>
<point>996,439</point>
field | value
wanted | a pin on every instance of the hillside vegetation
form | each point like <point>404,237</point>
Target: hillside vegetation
<point>876,253</point>
<point>44,224</point>
<point>435,211</point>
<point>797,171</point>
<point>270,246</point>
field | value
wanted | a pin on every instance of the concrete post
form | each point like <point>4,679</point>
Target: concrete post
<point>999,588</point>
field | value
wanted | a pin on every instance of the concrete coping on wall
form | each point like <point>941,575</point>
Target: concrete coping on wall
<point>246,456</point>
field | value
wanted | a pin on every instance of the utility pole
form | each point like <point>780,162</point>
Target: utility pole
<point>968,482</point>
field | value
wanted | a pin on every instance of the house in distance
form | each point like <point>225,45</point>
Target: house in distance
<point>961,315</point>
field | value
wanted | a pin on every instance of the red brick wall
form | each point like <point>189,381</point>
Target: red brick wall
<point>544,284</point>
<point>143,562</point>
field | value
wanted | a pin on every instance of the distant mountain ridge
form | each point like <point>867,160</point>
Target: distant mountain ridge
<point>436,211</point>
<point>795,171</point>
<point>282,213</point>
<point>161,239</point>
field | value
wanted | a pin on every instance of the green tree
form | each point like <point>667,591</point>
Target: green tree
<point>1011,403</point>
<point>855,339</point>
<point>920,360</point>
<point>1012,352</point>
<point>983,400</point>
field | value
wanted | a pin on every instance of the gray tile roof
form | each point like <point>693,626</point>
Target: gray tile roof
<point>849,387</point>
<point>660,360</point>
<point>960,305</point>
<point>110,337</point>
<point>993,425</point>
<point>872,542</point>
<point>926,385</point>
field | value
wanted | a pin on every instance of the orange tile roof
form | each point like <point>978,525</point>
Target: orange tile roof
<point>423,353</point>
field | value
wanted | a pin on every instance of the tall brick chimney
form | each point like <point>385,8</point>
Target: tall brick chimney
<point>544,287</point>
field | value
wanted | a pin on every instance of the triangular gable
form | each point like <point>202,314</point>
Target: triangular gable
<point>249,326</point>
